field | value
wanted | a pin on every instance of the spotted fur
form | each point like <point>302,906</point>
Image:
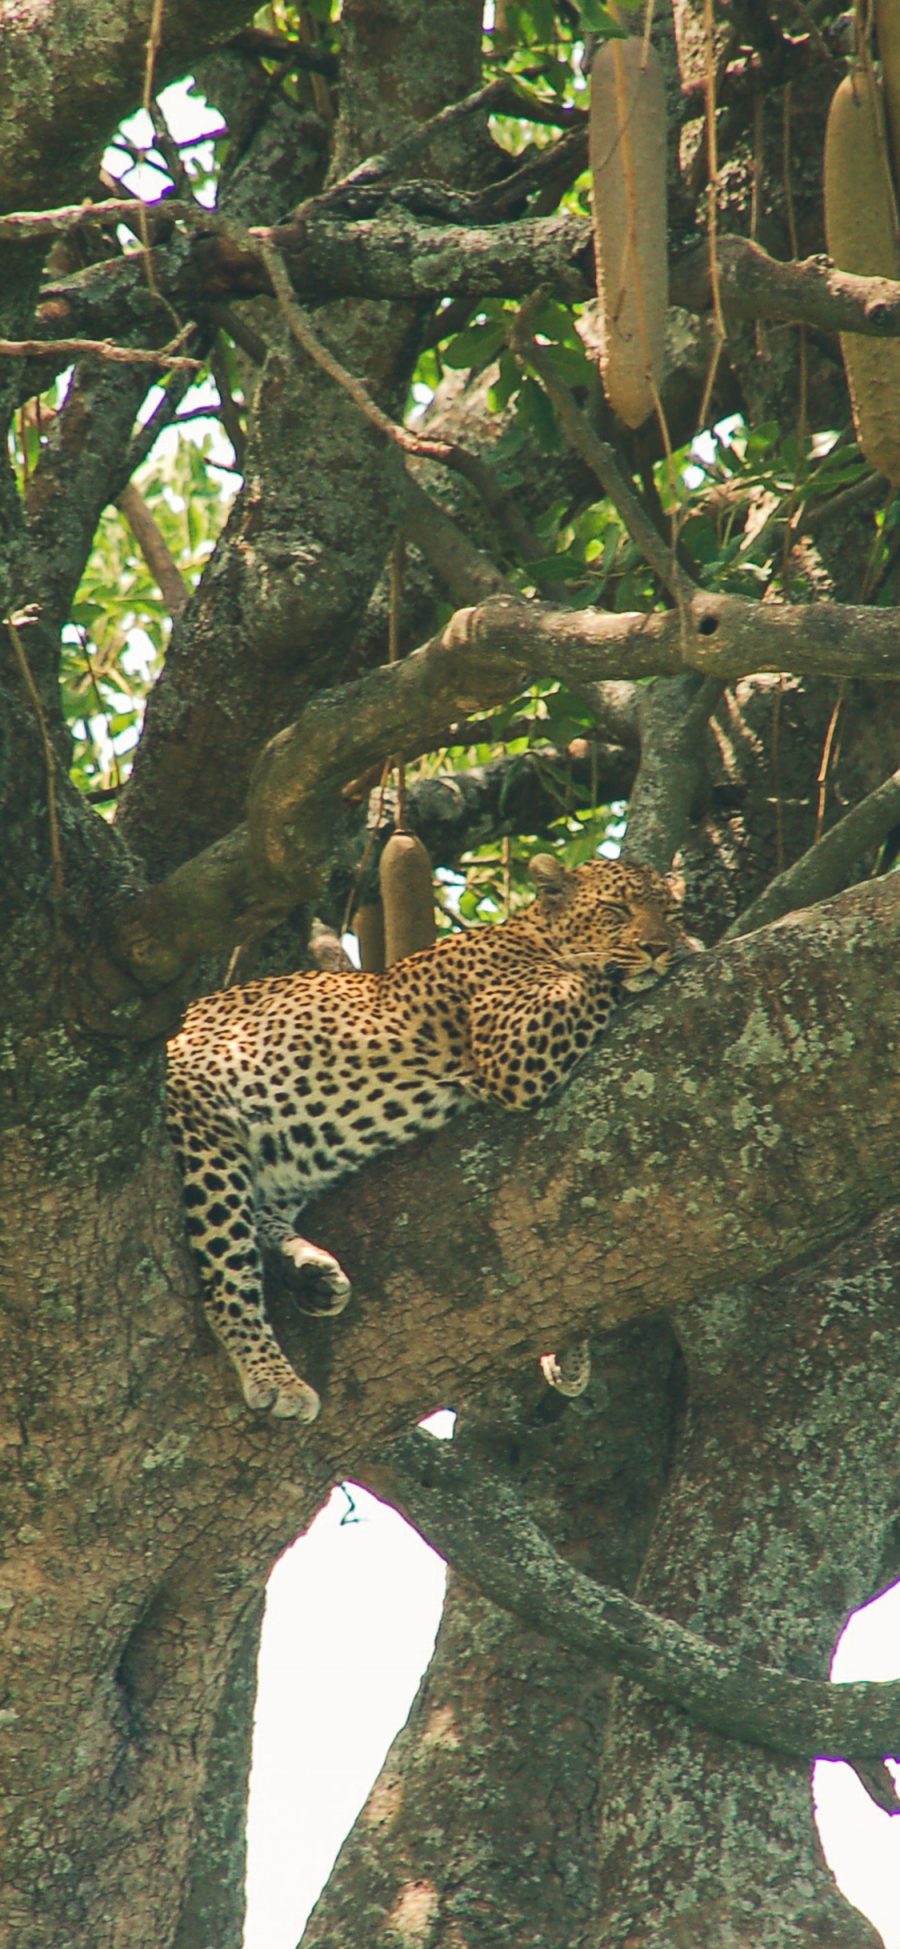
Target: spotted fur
<point>280,1087</point>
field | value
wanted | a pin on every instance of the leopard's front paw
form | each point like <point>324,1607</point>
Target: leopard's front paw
<point>282,1393</point>
<point>319,1283</point>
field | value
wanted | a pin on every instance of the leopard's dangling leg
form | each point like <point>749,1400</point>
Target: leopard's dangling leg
<point>221,1223</point>
<point>268,1380</point>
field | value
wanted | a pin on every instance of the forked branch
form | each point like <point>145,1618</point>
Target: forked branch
<point>481,1527</point>
<point>245,882</point>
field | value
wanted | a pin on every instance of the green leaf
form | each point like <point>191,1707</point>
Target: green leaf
<point>475,345</point>
<point>572,366</point>
<point>597,19</point>
<point>554,568</point>
<point>507,382</point>
<point>700,537</point>
<point>555,321</point>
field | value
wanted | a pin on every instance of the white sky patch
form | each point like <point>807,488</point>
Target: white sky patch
<point>188,115</point>
<point>351,1615</point>
<point>861,1844</point>
<point>704,448</point>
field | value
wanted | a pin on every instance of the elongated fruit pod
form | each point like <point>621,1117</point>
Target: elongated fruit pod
<point>887,34</point>
<point>628,175</point>
<point>407,895</point>
<point>859,228</point>
<point>368,926</point>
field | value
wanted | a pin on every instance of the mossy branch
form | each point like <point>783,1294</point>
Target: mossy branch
<point>479,1524</point>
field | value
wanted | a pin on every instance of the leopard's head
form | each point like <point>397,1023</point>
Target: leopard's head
<point>610,915</point>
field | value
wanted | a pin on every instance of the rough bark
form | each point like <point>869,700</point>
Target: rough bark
<point>769,1369</point>
<point>71,72</point>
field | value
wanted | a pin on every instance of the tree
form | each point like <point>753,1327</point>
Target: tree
<point>401,216</point>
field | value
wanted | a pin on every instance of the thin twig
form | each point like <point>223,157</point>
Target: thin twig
<point>712,210</point>
<point>97,348</point>
<point>153,40</point>
<point>825,761</point>
<point>397,565</point>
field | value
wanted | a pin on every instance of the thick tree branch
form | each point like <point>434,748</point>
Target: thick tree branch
<point>82,467</point>
<point>173,588</point>
<point>754,285</point>
<point>464,569</point>
<point>689,1155</point>
<point>478,1523</point>
<point>393,255</point>
<point>673,714</point>
<point>239,886</point>
<point>65,349</point>
<point>396,254</point>
<point>485,649</point>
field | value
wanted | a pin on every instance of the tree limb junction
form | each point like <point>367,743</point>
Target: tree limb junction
<point>247,880</point>
<point>482,1529</point>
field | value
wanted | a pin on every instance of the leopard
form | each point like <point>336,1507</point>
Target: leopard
<point>281,1086</point>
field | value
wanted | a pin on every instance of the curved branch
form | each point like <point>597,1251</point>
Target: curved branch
<point>241,885</point>
<point>481,1528</point>
<point>830,864</point>
<point>504,641</point>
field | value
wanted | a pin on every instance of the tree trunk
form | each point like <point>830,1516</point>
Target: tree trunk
<point>777,1519</point>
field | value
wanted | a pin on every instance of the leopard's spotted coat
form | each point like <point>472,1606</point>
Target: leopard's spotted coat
<point>279,1087</point>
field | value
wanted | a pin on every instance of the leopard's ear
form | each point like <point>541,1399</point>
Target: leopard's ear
<point>675,884</point>
<point>553,880</point>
